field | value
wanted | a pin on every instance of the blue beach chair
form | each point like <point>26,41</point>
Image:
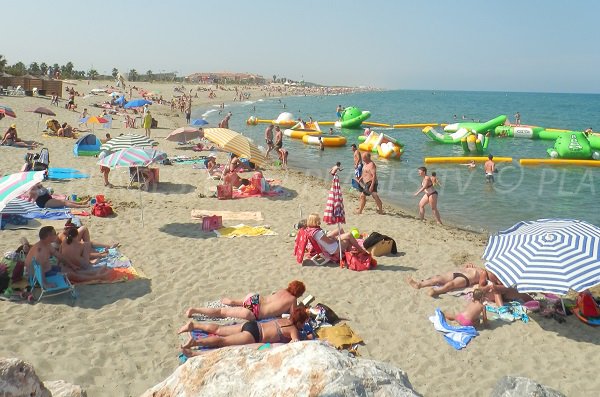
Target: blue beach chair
<point>62,283</point>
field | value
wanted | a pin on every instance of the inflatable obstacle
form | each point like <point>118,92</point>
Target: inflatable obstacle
<point>312,128</point>
<point>352,117</point>
<point>415,125</point>
<point>462,130</point>
<point>285,119</point>
<point>384,145</point>
<point>574,145</point>
<point>459,160</point>
<point>559,162</point>
<point>328,140</point>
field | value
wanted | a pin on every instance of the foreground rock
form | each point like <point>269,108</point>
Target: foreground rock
<point>295,369</point>
<point>511,386</point>
<point>18,379</point>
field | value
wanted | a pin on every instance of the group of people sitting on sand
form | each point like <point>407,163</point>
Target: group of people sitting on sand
<point>251,308</point>
<point>71,252</point>
<point>64,130</point>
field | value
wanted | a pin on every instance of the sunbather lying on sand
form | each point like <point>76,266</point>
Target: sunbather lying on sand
<point>461,278</point>
<point>44,199</point>
<point>472,312</point>
<point>255,307</point>
<point>277,331</point>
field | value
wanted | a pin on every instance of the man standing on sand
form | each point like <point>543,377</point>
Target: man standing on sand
<point>269,139</point>
<point>490,168</point>
<point>368,182</point>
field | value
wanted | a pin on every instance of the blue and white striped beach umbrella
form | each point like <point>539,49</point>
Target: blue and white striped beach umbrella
<point>547,255</point>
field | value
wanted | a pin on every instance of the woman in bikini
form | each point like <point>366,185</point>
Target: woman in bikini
<point>44,199</point>
<point>431,196</point>
<point>76,255</point>
<point>277,331</point>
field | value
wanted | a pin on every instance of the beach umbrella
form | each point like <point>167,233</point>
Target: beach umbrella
<point>13,185</point>
<point>93,120</point>
<point>185,133</point>
<point>236,143</point>
<point>334,209</point>
<point>136,103</point>
<point>42,111</point>
<point>198,122</point>
<point>547,255</point>
<point>19,206</point>
<point>7,111</point>
<point>120,100</point>
<point>127,141</point>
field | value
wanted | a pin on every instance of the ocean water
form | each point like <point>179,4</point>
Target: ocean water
<point>465,200</point>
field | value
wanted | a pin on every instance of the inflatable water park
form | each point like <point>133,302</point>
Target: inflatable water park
<point>475,138</point>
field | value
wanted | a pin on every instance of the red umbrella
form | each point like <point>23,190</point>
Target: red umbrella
<point>334,209</point>
<point>5,110</point>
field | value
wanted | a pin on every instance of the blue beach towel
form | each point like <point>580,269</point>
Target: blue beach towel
<point>54,214</point>
<point>457,336</point>
<point>66,173</point>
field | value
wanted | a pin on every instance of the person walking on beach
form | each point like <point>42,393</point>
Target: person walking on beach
<point>368,182</point>
<point>188,112</point>
<point>278,138</point>
<point>517,118</point>
<point>269,139</point>
<point>254,306</point>
<point>358,164</point>
<point>147,123</point>
<point>490,168</point>
<point>430,196</point>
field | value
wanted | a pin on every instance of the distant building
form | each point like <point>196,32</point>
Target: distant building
<point>225,77</point>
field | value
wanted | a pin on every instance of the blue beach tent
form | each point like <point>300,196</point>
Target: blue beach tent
<point>87,145</point>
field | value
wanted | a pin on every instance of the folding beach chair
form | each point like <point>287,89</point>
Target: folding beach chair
<point>62,283</point>
<point>305,243</point>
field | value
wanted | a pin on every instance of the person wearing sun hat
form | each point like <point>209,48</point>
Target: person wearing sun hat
<point>10,138</point>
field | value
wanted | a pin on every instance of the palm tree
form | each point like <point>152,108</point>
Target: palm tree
<point>34,68</point>
<point>133,75</point>
<point>149,75</point>
<point>18,69</point>
<point>274,78</point>
<point>2,63</point>
<point>115,72</point>
<point>43,68</point>
<point>92,74</point>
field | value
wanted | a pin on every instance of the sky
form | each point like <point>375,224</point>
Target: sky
<point>487,45</point>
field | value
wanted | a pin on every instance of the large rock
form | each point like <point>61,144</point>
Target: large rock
<point>512,386</point>
<point>18,379</point>
<point>296,369</point>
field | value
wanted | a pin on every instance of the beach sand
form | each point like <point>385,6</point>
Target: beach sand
<point>120,339</point>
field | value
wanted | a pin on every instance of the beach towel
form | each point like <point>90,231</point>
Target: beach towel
<point>50,214</point>
<point>244,230</point>
<point>229,215</point>
<point>275,191</point>
<point>120,267</point>
<point>457,336</point>
<point>510,312</point>
<point>340,336</point>
<point>66,173</point>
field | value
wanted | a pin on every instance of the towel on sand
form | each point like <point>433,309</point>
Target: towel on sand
<point>229,215</point>
<point>341,336</point>
<point>244,230</point>
<point>457,337</point>
<point>66,173</point>
<point>120,268</point>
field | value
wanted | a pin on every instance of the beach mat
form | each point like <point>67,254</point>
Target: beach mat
<point>66,173</point>
<point>120,267</point>
<point>242,230</point>
<point>229,215</point>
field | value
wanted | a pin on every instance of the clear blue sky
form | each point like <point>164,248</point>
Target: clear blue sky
<point>507,45</point>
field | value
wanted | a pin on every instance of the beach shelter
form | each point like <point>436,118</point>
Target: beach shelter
<point>13,185</point>
<point>334,209</point>
<point>234,142</point>
<point>547,255</point>
<point>87,145</point>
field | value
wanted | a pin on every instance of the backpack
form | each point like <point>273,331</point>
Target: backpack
<point>102,210</point>
<point>359,261</point>
<point>587,305</point>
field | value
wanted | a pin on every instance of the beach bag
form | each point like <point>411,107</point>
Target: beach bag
<point>587,305</point>
<point>384,247</point>
<point>359,261</point>
<point>330,316</point>
<point>374,238</point>
<point>224,192</point>
<point>210,223</point>
<point>102,210</point>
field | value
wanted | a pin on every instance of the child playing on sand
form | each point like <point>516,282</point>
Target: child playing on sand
<point>471,314</point>
<point>336,168</point>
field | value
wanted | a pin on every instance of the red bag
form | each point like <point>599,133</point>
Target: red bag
<point>587,305</point>
<point>224,192</point>
<point>210,223</point>
<point>359,261</point>
<point>102,210</point>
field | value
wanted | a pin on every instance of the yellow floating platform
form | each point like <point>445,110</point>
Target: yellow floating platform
<point>417,125</point>
<point>558,162</point>
<point>454,160</point>
<point>373,124</point>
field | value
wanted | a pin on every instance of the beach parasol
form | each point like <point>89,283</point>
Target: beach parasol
<point>198,122</point>
<point>236,143</point>
<point>19,206</point>
<point>133,157</point>
<point>14,185</point>
<point>185,132</point>
<point>334,209</point>
<point>547,255</point>
<point>136,103</point>
<point>127,141</point>
<point>41,111</point>
<point>93,120</point>
<point>7,111</point>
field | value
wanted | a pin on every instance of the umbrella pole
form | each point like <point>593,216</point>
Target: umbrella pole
<point>137,170</point>
<point>340,243</point>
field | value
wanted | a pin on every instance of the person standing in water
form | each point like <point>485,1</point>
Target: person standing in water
<point>430,197</point>
<point>490,168</point>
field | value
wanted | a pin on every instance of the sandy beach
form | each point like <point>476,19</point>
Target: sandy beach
<point>120,339</point>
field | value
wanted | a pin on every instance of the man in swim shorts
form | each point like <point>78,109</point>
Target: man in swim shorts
<point>368,182</point>
<point>490,168</point>
<point>269,139</point>
<point>464,277</point>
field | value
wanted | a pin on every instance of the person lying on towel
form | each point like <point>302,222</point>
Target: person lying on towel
<point>254,306</point>
<point>282,330</point>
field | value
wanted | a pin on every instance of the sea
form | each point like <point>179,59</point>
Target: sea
<point>465,199</point>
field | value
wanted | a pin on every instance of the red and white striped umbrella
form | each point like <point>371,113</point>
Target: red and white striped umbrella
<point>334,209</point>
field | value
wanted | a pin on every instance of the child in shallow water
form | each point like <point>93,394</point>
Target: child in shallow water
<point>472,312</point>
